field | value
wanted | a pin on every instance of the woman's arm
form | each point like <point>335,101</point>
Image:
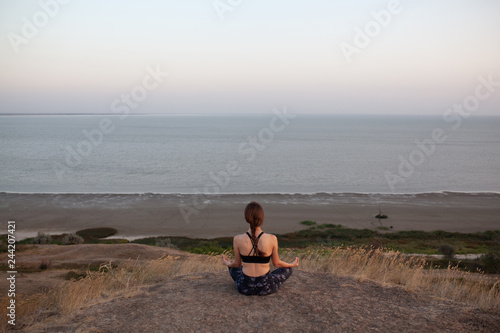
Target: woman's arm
<point>276,259</point>
<point>237,258</point>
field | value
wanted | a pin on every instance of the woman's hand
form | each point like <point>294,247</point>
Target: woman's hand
<point>226,261</point>
<point>295,263</point>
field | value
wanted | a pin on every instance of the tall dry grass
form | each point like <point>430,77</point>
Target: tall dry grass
<point>408,272</point>
<point>377,265</point>
<point>108,282</point>
<point>125,279</point>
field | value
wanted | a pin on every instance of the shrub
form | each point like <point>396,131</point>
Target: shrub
<point>376,243</point>
<point>447,250</point>
<point>94,234</point>
<point>165,242</point>
<point>45,264</point>
<point>491,262</point>
<point>3,246</point>
<point>42,238</point>
<point>308,222</point>
<point>70,239</point>
<point>207,247</point>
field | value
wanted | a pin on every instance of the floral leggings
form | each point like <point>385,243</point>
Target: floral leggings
<point>261,285</point>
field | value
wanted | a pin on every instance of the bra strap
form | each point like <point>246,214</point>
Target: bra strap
<point>254,245</point>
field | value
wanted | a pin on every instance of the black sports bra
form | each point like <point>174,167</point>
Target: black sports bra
<point>255,259</point>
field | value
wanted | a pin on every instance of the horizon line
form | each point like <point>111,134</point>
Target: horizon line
<point>224,114</point>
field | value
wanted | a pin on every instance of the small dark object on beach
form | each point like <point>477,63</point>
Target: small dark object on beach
<point>380,215</point>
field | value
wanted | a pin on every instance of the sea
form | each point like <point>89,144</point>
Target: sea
<point>276,152</point>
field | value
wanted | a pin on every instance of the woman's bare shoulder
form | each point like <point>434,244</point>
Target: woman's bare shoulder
<point>270,236</point>
<point>238,237</point>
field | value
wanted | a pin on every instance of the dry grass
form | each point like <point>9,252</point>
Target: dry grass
<point>377,265</point>
<point>128,277</point>
<point>394,268</point>
<point>108,282</point>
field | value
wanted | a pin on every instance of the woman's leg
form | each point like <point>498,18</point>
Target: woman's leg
<point>262,285</point>
<point>244,284</point>
<point>281,274</point>
<point>273,281</point>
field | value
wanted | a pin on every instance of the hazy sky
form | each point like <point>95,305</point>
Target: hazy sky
<point>248,56</point>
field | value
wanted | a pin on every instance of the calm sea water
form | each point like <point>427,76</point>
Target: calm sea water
<point>248,154</point>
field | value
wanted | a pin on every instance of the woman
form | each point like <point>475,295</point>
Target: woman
<point>254,277</point>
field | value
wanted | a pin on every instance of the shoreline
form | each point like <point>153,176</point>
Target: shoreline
<point>180,194</point>
<point>210,216</point>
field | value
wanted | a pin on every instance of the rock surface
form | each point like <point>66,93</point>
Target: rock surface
<point>307,302</point>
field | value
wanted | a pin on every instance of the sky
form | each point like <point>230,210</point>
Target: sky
<point>248,56</point>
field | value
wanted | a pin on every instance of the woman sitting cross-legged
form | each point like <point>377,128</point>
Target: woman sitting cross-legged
<point>251,273</point>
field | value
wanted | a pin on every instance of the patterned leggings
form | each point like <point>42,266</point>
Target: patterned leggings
<point>261,285</point>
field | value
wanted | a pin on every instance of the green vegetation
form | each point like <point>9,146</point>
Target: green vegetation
<point>193,245</point>
<point>491,262</point>
<point>308,222</point>
<point>325,235</point>
<point>71,239</point>
<point>447,250</point>
<point>41,238</point>
<point>330,235</point>
<point>94,234</point>
<point>315,236</point>
<point>85,236</point>
<point>403,241</point>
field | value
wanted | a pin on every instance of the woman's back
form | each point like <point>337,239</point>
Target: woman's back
<point>264,243</point>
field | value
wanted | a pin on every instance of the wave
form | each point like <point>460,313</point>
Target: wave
<point>340,194</point>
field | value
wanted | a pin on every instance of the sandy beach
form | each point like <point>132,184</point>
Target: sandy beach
<point>140,215</point>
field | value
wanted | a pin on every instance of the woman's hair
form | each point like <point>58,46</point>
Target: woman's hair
<point>254,215</point>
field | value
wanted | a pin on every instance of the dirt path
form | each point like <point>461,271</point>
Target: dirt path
<point>307,302</point>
